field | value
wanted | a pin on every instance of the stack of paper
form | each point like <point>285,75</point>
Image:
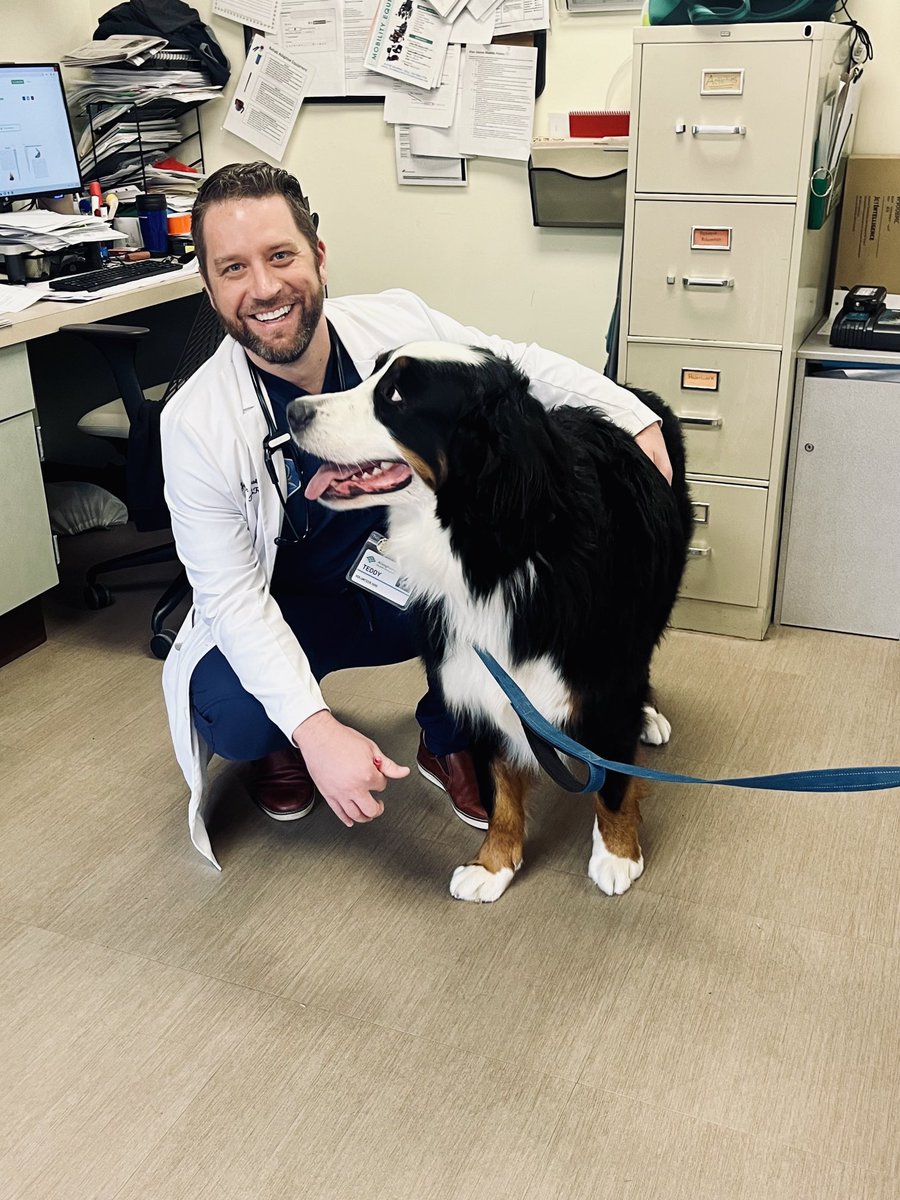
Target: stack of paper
<point>54,231</point>
<point>118,48</point>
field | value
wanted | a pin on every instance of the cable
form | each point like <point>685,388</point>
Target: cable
<point>861,48</point>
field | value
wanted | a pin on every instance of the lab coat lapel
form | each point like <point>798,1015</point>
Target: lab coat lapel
<point>269,510</point>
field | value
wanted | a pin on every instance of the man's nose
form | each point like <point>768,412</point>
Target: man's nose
<point>264,281</point>
<point>300,413</point>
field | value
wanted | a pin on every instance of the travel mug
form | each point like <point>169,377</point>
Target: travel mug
<point>154,230</point>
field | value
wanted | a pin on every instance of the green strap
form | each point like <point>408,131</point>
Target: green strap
<point>732,14</point>
<point>683,12</point>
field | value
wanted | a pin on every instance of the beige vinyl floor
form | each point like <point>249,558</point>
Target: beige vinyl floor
<point>322,1020</point>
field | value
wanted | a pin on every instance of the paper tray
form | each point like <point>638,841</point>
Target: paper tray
<point>577,186</point>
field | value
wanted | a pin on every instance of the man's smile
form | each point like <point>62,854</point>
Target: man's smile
<point>272,315</point>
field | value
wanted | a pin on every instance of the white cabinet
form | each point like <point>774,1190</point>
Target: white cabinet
<point>722,279</point>
<point>26,544</point>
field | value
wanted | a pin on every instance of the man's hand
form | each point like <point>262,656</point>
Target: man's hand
<point>651,442</point>
<point>345,766</point>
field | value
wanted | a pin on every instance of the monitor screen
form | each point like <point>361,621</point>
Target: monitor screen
<point>37,150</point>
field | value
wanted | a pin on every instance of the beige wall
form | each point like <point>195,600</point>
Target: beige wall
<point>470,251</point>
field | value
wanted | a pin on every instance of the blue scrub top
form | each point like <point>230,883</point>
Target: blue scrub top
<point>335,539</point>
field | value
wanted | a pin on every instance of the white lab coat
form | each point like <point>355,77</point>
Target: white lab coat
<point>226,513</point>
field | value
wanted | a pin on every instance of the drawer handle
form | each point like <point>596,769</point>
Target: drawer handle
<point>698,281</point>
<point>719,130</point>
<point>706,422</point>
<point>699,551</point>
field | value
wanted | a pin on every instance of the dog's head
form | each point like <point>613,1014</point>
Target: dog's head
<point>398,433</point>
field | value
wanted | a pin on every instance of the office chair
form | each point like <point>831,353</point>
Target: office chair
<point>134,419</point>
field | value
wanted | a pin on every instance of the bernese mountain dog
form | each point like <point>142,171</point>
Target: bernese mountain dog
<point>547,538</point>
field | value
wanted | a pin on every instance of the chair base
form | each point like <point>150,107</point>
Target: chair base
<point>100,595</point>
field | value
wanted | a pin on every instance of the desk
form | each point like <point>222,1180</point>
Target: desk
<point>27,546</point>
<point>840,546</point>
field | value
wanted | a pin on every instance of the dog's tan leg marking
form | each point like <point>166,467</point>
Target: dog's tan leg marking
<point>616,859</point>
<point>500,856</point>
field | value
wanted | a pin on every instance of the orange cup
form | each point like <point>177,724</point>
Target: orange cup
<point>180,223</point>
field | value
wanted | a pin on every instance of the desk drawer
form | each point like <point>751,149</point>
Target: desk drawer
<point>725,399</point>
<point>733,294</point>
<point>741,109</point>
<point>16,394</point>
<point>727,543</point>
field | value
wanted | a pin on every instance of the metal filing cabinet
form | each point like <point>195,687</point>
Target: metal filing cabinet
<point>722,280</point>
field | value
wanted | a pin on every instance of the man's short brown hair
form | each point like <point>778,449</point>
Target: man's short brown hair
<point>255,180</point>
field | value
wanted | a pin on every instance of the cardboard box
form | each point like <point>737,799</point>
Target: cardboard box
<point>869,240</point>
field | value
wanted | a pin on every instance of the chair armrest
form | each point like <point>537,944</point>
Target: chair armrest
<point>98,329</point>
<point>118,345</point>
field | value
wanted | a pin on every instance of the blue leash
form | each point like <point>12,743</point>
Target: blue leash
<point>545,740</point>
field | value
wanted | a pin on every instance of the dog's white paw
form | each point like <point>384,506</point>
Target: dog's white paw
<point>472,882</point>
<point>657,730</point>
<point>613,875</point>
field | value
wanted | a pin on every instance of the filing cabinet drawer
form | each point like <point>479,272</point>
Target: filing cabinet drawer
<point>682,287</point>
<point>742,111</point>
<point>724,398</point>
<point>727,543</point>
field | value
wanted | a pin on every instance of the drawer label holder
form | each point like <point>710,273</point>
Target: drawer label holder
<point>718,82</point>
<point>711,237</point>
<point>699,379</point>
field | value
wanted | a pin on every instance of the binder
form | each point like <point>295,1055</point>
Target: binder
<point>599,124</point>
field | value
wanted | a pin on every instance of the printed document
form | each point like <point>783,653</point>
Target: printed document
<point>258,14</point>
<point>313,32</point>
<point>426,141</point>
<point>264,107</point>
<point>498,101</point>
<point>519,16</point>
<point>428,172</point>
<point>408,42</point>
<point>411,105</point>
<point>358,80</point>
<point>473,31</point>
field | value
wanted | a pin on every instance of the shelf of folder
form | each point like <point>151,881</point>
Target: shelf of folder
<point>155,137</point>
<point>578,183</point>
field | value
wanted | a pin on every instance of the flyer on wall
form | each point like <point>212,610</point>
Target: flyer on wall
<point>267,99</point>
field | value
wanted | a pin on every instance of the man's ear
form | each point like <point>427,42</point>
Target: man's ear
<point>321,257</point>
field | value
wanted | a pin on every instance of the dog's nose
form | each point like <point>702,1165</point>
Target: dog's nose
<point>300,414</point>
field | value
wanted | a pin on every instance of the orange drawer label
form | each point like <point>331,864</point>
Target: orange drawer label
<point>695,380</point>
<point>715,237</point>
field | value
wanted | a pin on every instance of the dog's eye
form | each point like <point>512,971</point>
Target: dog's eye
<point>395,397</point>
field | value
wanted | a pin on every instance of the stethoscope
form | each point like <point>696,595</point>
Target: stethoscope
<point>283,442</point>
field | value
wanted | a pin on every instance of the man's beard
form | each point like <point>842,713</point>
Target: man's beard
<point>309,320</point>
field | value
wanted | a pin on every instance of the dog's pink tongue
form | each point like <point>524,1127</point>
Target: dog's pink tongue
<point>326,475</point>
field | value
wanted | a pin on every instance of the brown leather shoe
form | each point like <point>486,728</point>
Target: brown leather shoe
<point>281,785</point>
<point>455,774</point>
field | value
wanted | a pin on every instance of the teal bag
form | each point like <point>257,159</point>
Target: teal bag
<point>738,12</point>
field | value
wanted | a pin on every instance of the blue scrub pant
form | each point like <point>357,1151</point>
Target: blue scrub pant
<point>337,629</point>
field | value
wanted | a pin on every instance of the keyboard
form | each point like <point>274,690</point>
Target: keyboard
<point>112,276</point>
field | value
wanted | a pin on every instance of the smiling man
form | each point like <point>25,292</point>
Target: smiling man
<point>273,610</point>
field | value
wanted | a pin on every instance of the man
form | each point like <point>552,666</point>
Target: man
<point>273,612</point>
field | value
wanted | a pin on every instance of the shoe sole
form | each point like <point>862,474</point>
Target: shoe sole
<point>473,821</point>
<point>294,816</point>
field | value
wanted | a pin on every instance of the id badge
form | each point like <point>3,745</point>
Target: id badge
<point>374,572</point>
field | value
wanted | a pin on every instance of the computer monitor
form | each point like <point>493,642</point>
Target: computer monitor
<point>37,147</point>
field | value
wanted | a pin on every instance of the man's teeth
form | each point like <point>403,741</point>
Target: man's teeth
<point>274,314</point>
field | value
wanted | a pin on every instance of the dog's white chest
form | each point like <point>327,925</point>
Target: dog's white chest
<point>423,550</point>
